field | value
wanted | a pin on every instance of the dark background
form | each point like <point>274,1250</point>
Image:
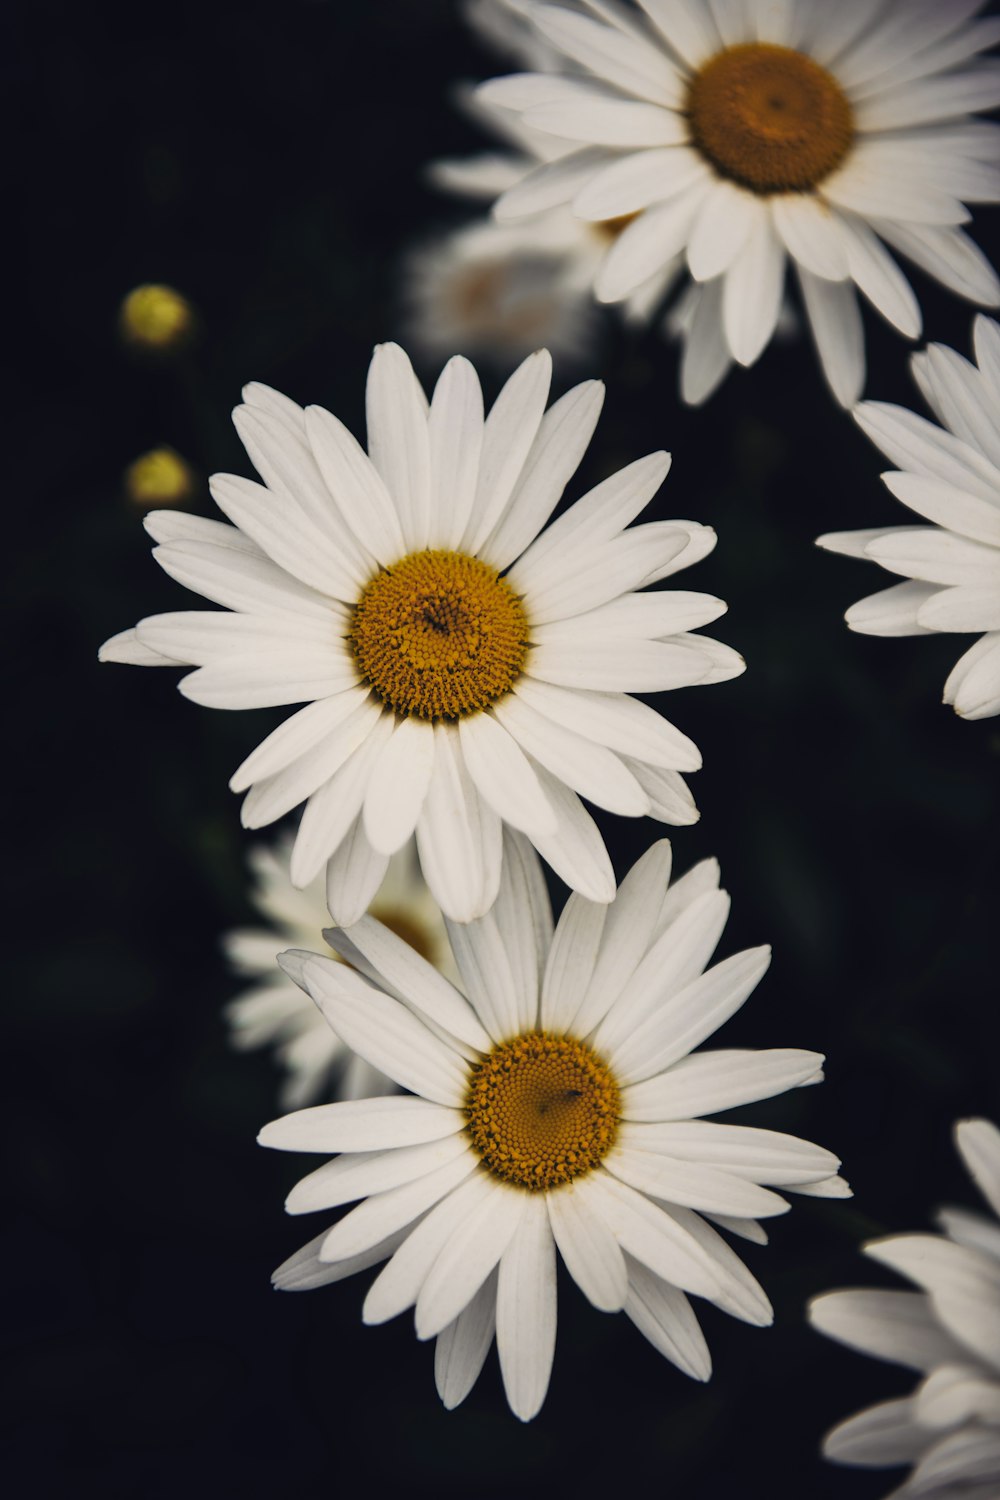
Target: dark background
<point>267,159</point>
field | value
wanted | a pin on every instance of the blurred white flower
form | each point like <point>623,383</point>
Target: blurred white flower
<point>948,1430</point>
<point>273,1012</point>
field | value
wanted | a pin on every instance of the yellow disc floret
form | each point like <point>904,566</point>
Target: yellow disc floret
<point>542,1110</point>
<point>440,635</point>
<point>769,118</point>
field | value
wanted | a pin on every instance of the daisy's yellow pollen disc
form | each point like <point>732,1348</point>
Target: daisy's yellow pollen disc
<point>769,118</point>
<point>440,635</point>
<point>542,1110</point>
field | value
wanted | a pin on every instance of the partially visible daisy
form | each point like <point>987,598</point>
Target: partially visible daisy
<point>460,671</point>
<point>948,1430</point>
<point>735,137</point>
<point>950,476</point>
<point>274,1011</point>
<point>498,292</point>
<point>553,1105</point>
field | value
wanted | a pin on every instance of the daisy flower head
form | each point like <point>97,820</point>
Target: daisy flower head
<point>554,1103</point>
<point>949,475</point>
<point>460,671</point>
<point>729,138</point>
<point>274,1012</point>
<point>499,291</point>
<point>948,1430</point>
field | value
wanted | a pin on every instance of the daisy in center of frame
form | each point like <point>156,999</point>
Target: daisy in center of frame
<point>465,662</point>
<point>553,1104</point>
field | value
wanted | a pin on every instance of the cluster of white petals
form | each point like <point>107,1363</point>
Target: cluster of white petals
<point>948,1331</point>
<point>949,475</point>
<point>474,1253</point>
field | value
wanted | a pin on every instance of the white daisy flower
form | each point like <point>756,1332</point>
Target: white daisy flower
<point>460,671</point>
<point>552,1105</point>
<point>499,291</point>
<point>950,476</point>
<point>275,1012</point>
<point>949,1331</point>
<point>739,135</point>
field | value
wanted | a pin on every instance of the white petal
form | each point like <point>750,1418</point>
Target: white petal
<point>287,535</point>
<point>304,1271</point>
<point>458,835</point>
<point>739,1293</point>
<point>692,1184</point>
<point>275,795</point>
<point>614,720</point>
<point>360,1174</point>
<point>332,809</point>
<point>628,184</point>
<point>293,674</point>
<point>751,293</point>
<point>707,358</point>
<point>549,185</point>
<point>377,1218</point>
<point>947,254</point>
<point>669,798</point>
<point>576,850</point>
<point>962,609</point>
<point>354,873</point>
<point>897,1326</point>
<point>948,505</point>
<point>809,232</point>
<point>873,181</point>
<point>878,1437</point>
<point>126,648</point>
<point>593,771</point>
<point>398,785</point>
<point>562,440</point>
<point>523,915</point>
<point>973,685</point>
<point>938,557</point>
<point>628,932</point>
<point>725,220</point>
<point>571,961</point>
<point>526,1309</point>
<point>423,988</point>
<point>623,60</point>
<point>398,441</point>
<point>649,243</point>
<point>354,482</point>
<point>877,275</point>
<point>591,1252</point>
<point>586,577</point>
<point>296,736</point>
<point>677,957</point>
<point>892,612</point>
<point>508,435</point>
<point>600,120</point>
<point>363,1125</point>
<point>653,1236</point>
<point>455,427</point>
<point>687,26</point>
<point>712,1081</point>
<point>503,775</point>
<point>462,1347</point>
<point>489,978</point>
<point>239,579</point>
<point>386,1034</point>
<point>468,1256</point>
<point>616,666</point>
<point>663,1315</point>
<point>979,1143</point>
<point>398,1286</point>
<point>835,323</point>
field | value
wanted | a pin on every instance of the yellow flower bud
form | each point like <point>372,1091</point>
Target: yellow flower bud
<point>160,477</point>
<point>156,318</point>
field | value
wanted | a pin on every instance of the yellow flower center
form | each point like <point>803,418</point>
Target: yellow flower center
<point>440,635</point>
<point>542,1110</point>
<point>769,118</point>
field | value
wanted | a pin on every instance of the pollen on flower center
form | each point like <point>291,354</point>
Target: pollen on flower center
<point>542,1110</point>
<point>769,118</point>
<point>440,635</point>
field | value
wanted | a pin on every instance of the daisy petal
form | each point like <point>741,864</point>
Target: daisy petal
<point>503,775</point>
<point>835,322</point>
<point>592,1254</point>
<point>354,482</point>
<point>508,435</point>
<point>663,1315</point>
<point>751,293</point>
<point>462,1347</point>
<point>458,835</point>
<point>712,1081</point>
<point>571,961</point>
<point>332,809</point>
<point>576,850</point>
<point>353,875</point>
<point>468,1256</point>
<point>621,724</point>
<point>398,440</point>
<point>385,1214</point>
<point>398,784</point>
<point>398,1286</point>
<point>897,1326</point>
<point>526,1310</point>
<point>455,427</point>
<point>593,771</point>
<point>363,1125</point>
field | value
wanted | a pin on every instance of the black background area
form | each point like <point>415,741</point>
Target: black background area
<point>267,160</point>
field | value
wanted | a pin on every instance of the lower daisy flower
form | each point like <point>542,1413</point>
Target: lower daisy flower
<point>950,477</point>
<point>948,1430</point>
<point>552,1106</point>
<point>274,1012</point>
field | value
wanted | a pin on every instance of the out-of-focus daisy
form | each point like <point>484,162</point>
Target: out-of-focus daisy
<point>732,137</point>
<point>275,1012</point>
<point>461,671</point>
<point>499,291</point>
<point>552,1105</point>
<point>950,476</point>
<point>949,1331</point>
